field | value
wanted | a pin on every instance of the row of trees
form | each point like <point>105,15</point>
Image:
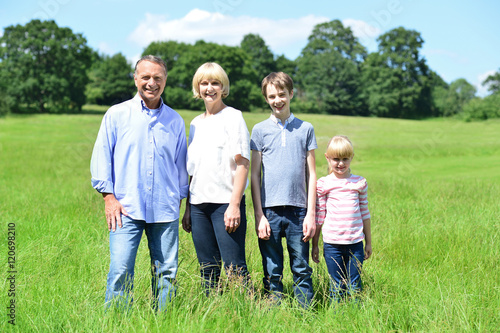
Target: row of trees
<point>55,71</point>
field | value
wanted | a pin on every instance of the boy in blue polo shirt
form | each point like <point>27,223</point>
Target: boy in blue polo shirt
<point>283,167</point>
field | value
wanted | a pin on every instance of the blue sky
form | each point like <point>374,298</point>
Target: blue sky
<point>462,39</point>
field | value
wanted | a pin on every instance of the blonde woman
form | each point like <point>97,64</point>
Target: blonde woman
<point>218,163</point>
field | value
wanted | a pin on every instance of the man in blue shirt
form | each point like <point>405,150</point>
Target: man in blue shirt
<point>139,166</point>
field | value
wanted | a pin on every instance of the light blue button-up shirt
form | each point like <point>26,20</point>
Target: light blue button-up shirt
<point>140,157</point>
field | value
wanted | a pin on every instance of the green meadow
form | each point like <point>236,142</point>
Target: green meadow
<point>433,194</point>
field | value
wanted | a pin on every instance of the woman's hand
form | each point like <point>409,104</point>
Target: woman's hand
<point>232,218</point>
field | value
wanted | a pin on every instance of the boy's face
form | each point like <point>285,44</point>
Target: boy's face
<point>279,101</point>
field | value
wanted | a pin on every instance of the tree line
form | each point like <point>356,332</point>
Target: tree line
<point>54,70</point>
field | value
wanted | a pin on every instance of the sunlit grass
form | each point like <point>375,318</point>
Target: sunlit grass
<point>433,192</point>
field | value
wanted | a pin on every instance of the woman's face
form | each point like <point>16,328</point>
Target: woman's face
<point>210,90</point>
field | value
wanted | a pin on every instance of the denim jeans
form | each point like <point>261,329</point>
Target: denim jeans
<point>163,243</point>
<point>286,221</point>
<point>215,245</point>
<point>344,264</point>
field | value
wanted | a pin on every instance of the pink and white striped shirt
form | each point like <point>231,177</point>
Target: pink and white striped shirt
<point>341,206</point>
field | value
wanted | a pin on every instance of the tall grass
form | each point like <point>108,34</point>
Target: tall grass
<point>433,192</point>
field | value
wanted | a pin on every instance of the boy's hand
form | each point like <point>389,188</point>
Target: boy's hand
<point>315,254</point>
<point>368,251</point>
<point>308,228</point>
<point>262,228</point>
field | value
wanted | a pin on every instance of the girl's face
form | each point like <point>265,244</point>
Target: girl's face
<point>211,90</point>
<point>340,167</point>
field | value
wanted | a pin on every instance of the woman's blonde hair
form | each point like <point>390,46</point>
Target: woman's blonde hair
<point>339,147</point>
<point>210,71</point>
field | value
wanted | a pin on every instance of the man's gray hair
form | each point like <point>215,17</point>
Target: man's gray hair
<point>152,58</point>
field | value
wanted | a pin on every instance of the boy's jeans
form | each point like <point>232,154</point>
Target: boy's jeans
<point>344,264</point>
<point>163,243</point>
<point>286,221</point>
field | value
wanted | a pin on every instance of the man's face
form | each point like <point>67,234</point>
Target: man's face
<point>150,79</point>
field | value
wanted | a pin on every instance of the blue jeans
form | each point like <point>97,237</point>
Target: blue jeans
<point>344,264</point>
<point>286,221</point>
<point>215,245</point>
<point>163,243</point>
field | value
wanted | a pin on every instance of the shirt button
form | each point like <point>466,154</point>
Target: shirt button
<point>150,173</point>
<point>149,188</point>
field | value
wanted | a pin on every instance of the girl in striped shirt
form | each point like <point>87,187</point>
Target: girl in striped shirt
<point>343,216</point>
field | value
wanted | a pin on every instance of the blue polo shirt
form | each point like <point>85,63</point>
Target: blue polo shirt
<point>284,150</point>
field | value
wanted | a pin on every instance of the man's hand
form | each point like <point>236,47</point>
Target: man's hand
<point>113,209</point>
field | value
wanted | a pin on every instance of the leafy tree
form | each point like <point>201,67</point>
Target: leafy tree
<point>111,80</point>
<point>5,101</point>
<point>441,105</point>
<point>169,51</point>
<point>493,82</point>
<point>328,75</point>
<point>396,78</point>
<point>183,60</point>
<point>450,99</point>
<point>283,64</point>
<point>482,108</point>
<point>464,90</point>
<point>260,57</point>
<point>177,92</point>
<point>48,65</point>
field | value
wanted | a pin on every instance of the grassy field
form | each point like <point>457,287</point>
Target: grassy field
<point>434,199</point>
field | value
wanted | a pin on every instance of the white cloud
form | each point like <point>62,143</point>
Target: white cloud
<point>224,29</point>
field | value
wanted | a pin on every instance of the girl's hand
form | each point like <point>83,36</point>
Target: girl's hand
<point>368,251</point>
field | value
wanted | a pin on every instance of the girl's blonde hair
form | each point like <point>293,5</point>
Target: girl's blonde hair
<point>339,147</point>
<point>207,71</point>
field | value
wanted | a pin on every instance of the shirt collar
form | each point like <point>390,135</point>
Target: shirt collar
<point>147,110</point>
<point>276,120</point>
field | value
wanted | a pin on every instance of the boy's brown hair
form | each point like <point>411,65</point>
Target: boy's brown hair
<point>278,79</point>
